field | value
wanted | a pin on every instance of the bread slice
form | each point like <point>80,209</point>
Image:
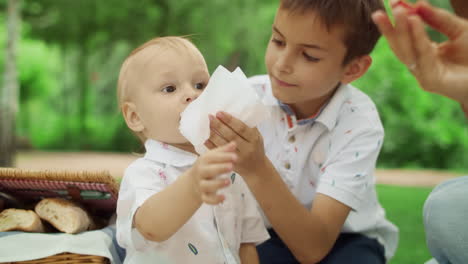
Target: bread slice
<point>20,220</point>
<point>64,215</point>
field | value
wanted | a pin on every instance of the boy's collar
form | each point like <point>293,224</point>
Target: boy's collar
<point>328,113</point>
<point>309,120</point>
<point>167,154</point>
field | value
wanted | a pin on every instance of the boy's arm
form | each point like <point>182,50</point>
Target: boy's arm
<point>309,235</point>
<point>248,254</point>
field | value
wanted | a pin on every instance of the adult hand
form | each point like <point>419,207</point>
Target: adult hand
<point>439,68</point>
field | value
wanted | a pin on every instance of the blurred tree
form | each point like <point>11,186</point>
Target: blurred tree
<point>91,34</point>
<point>82,28</point>
<point>71,52</point>
<point>9,93</point>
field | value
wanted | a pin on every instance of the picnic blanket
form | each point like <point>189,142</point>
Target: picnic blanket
<point>21,246</point>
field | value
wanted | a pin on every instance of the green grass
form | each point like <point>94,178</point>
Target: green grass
<point>404,206</point>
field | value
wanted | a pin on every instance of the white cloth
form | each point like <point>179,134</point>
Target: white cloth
<point>238,219</point>
<point>334,154</point>
<point>226,91</point>
<point>23,246</point>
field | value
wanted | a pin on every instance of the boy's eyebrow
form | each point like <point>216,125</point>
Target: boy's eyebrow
<point>312,46</point>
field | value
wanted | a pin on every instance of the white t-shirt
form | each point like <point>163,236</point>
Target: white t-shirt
<point>333,153</point>
<point>211,235</point>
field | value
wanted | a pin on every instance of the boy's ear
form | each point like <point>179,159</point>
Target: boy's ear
<point>356,68</point>
<point>131,117</point>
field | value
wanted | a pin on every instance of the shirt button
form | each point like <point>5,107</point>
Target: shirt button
<point>287,165</point>
<point>292,139</point>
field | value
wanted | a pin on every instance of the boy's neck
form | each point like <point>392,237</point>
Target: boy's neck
<point>304,110</point>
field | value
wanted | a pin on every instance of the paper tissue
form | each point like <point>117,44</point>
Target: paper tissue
<point>226,91</point>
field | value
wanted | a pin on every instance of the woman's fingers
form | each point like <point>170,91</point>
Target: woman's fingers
<point>442,20</point>
<point>425,51</point>
<point>404,39</point>
<point>385,26</point>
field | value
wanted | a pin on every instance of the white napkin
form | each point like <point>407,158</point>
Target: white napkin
<point>23,246</point>
<point>226,91</point>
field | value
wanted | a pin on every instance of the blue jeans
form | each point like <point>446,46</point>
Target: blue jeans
<point>348,249</point>
<point>445,221</point>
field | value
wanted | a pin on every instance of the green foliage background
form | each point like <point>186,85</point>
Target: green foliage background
<point>70,54</point>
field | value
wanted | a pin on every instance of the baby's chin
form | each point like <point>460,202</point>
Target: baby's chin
<point>187,146</point>
<point>175,140</point>
<point>179,142</point>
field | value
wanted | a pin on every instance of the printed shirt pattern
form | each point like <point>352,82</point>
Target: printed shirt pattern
<point>198,241</point>
<point>333,153</point>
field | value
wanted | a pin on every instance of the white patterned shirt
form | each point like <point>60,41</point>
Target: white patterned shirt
<point>333,153</point>
<point>199,240</point>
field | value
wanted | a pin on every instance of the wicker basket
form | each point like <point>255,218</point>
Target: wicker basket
<point>95,190</point>
<point>66,258</point>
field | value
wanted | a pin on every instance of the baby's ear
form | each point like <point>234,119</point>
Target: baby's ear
<point>131,117</point>
<point>356,68</point>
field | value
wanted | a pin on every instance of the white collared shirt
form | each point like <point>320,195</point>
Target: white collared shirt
<point>236,221</point>
<point>333,153</point>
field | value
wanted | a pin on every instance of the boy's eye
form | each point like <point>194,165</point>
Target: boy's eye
<point>169,89</point>
<point>199,86</point>
<point>310,58</point>
<point>277,42</point>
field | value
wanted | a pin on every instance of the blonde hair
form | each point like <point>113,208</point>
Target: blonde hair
<point>123,85</point>
<point>167,42</point>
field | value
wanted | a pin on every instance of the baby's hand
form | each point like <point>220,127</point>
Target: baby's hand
<point>208,167</point>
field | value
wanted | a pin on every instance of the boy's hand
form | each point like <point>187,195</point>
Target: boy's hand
<point>226,128</point>
<point>208,167</point>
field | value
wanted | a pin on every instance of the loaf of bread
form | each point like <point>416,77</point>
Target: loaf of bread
<point>64,215</point>
<point>20,220</point>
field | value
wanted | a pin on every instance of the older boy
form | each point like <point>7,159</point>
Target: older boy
<point>313,172</point>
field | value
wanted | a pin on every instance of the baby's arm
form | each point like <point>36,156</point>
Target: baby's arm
<point>167,211</point>
<point>248,254</point>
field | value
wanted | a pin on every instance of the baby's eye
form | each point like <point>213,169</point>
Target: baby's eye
<point>199,86</point>
<point>169,89</point>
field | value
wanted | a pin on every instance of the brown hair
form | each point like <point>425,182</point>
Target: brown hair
<point>360,32</point>
<point>122,84</point>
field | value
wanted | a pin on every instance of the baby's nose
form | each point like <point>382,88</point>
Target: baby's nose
<point>191,97</point>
